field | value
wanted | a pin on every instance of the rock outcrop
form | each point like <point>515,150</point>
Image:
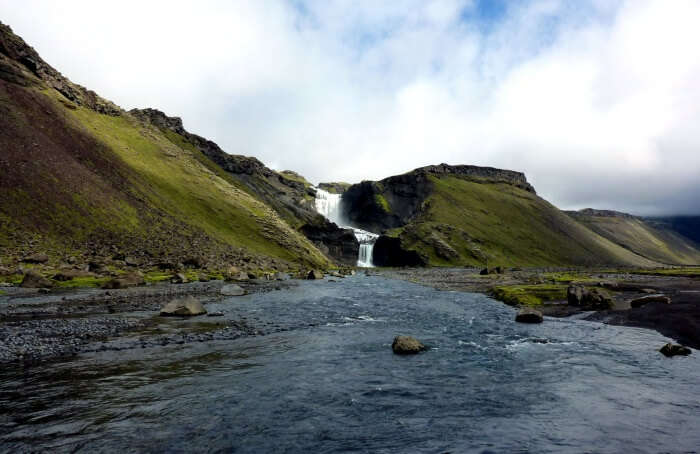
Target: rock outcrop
<point>407,345</point>
<point>596,298</point>
<point>33,279</point>
<point>388,251</point>
<point>127,280</point>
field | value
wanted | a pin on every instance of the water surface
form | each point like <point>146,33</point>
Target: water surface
<point>325,380</point>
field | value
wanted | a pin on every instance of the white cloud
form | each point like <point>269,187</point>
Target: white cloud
<point>597,102</point>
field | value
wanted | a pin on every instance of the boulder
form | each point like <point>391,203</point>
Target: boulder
<point>529,315</point>
<point>132,279</point>
<point>131,261</point>
<point>242,276</point>
<point>204,278</point>
<point>494,270</point>
<point>658,298</point>
<point>193,262</point>
<point>178,278</point>
<point>32,279</point>
<point>36,258</point>
<point>596,298</point>
<point>407,345</point>
<point>252,275</point>
<point>336,274</point>
<point>4,271</point>
<point>279,276</point>
<point>187,306</point>
<point>314,274</point>
<point>675,349</point>
<point>232,290</point>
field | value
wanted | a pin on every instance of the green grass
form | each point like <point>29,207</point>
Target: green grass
<point>506,225</point>
<point>655,243</point>
<point>382,202</point>
<point>529,295</point>
<point>677,272</point>
<point>569,277</point>
<point>179,180</point>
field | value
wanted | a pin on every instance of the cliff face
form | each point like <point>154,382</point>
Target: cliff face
<point>467,215</point>
<point>81,177</point>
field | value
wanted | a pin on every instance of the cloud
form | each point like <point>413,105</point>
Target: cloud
<point>596,101</point>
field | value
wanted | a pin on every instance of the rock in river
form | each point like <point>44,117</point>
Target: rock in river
<point>32,279</point>
<point>315,274</point>
<point>232,290</point>
<point>675,349</point>
<point>658,298</point>
<point>407,345</point>
<point>186,306</point>
<point>529,315</point>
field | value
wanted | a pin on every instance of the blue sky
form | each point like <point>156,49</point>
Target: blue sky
<point>597,101</point>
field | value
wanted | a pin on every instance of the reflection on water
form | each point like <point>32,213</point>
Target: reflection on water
<point>329,382</point>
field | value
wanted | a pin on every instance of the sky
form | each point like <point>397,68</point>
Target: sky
<point>596,101</point>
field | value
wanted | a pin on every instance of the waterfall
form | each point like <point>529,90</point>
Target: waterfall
<point>328,205</point>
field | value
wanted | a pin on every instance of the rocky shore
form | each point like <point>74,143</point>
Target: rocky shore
<point>38,326</point>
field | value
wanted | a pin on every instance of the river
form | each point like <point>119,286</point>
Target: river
<point>325,380</point>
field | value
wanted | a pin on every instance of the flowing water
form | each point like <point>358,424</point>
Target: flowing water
<point>327,381</point>
<point>328,205</point>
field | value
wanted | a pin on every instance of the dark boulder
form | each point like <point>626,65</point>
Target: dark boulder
<point>407,345</point>
<point>529,315</point>
<point>389,252</point>
<point>675,349</point>
<point>659,298</point>
<point>494,270</point>
<point>33,279</point>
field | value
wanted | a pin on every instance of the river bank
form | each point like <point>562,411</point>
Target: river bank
<point>37,326</point>
<point>679,320</point>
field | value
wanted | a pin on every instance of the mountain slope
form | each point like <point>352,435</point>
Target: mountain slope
<point>650,239</point>
<point>466,215</point>
<point>79,176</point>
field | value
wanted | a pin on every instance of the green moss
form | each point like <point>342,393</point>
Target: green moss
<point>382,202</point>
<point>569,277</point>
<point>529,295</point>
<point>678,272</point>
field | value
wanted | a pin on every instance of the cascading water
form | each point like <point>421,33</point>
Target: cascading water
<point>328,205</point>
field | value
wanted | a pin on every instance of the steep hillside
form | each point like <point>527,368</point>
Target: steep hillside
<point>653,240</point>
<point>686,226</point>
<point>287,192</point>
<point>466,215</point>
<point>80,177</point>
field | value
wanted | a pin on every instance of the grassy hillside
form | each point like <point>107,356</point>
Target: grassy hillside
<point>81,180</point>
<point>650,240</point>
<point>462,221</point>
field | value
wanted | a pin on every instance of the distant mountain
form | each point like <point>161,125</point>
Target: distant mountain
<point>687,226</point>
<point>654,239</point>
<point>467,215</point>
<point>81,177</point>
